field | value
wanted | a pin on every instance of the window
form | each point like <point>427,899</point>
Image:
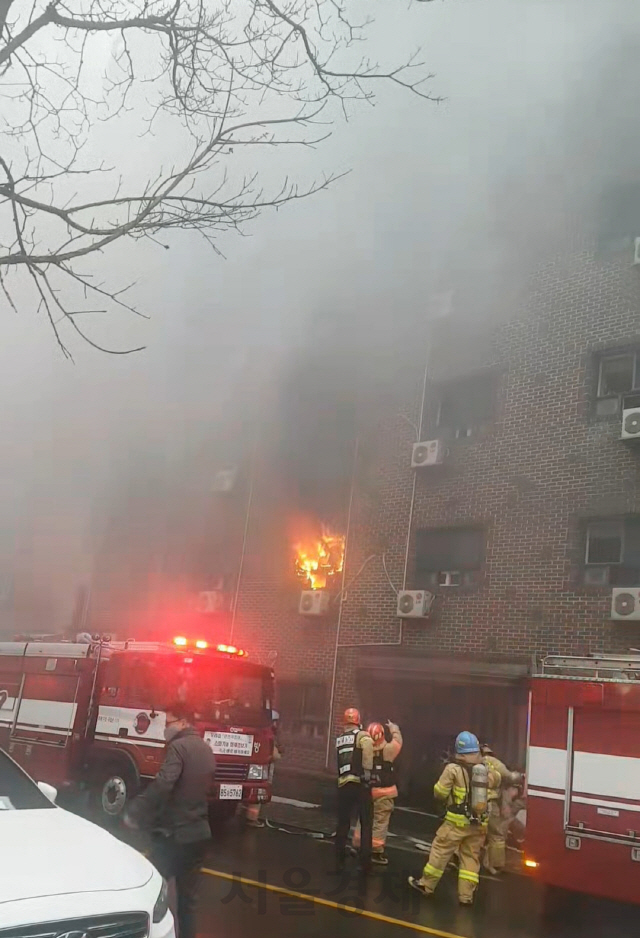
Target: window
<point>620,214</point>
<point>612,552</point>
<point>303,708</point>
<point>467,406</point>
<point>618,382</point>
<point>448,557</point>
<point>604,542</point>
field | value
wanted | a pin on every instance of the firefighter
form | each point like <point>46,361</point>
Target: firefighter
<point>384,790</point>
<point>495,856</point>
<point>354,748</point>
<point>252,811</point>
<point>463,787</point>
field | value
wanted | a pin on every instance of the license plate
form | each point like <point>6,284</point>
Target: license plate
<point>231,793</point>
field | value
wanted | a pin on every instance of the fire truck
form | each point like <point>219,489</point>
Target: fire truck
<point>583,775</point>
<point>87,716</point>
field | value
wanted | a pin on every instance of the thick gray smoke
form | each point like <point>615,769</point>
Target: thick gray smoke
<point>111,458</point>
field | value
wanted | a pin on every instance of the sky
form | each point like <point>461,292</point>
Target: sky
<point>534,117</point>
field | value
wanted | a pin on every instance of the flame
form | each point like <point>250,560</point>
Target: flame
<point>319,558</point>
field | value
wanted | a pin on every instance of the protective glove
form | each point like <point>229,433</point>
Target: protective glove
<point>367,776</point>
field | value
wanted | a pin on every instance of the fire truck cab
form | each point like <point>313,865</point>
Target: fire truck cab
<point>583,775</point>
<point>90,716</point>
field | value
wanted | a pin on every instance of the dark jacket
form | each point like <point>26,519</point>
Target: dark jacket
<point>175,802</point>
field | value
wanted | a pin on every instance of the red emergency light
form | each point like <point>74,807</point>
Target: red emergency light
<point>181,641</point>
<point>231,650</point>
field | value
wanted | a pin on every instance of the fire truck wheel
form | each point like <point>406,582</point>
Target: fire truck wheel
<point>113,789</point>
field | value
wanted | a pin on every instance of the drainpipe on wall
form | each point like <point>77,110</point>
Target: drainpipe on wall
<point>342,595</point>
<point>338,645</point>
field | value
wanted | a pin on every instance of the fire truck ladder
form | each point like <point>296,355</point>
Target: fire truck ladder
<point>617,668</point>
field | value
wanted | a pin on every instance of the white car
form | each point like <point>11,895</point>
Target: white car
<point>62,876</point>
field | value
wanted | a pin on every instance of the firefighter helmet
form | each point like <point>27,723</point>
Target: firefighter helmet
<point>352,715</point>
<point>466,743</point>
<point>376,732</point>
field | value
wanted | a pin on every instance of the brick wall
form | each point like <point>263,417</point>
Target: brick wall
<point>544,465</point>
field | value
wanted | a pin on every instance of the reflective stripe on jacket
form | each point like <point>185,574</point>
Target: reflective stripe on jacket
<point>354,749</point>
<point>454,788</point>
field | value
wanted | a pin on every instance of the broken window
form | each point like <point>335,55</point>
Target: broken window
<point>448,557</point>
<point>467,406</point>
<point>612,552</point>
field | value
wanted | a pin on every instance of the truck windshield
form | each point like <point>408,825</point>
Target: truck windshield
<point>220,691</point>
<point>17,791</point>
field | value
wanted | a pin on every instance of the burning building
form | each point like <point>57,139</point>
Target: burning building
<point>512,533</point>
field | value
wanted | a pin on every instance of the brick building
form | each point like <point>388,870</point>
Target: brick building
<point>522,532</point>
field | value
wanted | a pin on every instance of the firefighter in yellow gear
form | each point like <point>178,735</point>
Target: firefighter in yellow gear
<point>384,790</point>
<point>463,787</point>
<point>495,855</point>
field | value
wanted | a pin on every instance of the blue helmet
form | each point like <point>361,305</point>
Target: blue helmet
<point>466,743</point>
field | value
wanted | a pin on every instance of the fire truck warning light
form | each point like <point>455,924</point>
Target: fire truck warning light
<point>202,645</point>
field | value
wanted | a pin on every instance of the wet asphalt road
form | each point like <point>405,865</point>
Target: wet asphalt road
<point>514,907</point>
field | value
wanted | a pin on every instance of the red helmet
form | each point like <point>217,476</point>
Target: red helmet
<point>376,732</point>
<point>352,715</point>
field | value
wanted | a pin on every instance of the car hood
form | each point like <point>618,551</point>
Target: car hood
<point>49,852</point>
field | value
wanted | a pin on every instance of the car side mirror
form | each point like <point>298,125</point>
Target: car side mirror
<point>48,791</point>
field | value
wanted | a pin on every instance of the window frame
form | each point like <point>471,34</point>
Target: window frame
<point>624,573</point>
<point>469,576</point>
<point>600,521</point>
<point>292,722</point>
<point>633,353</point>
<point>470,429</point>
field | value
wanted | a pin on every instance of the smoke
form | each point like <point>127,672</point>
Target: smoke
<point>106,465</point>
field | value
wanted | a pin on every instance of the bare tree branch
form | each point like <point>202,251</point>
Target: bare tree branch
<point>213,80</point>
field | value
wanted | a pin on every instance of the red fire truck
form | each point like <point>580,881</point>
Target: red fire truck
<point>583,775</point>
<point>89,715</point>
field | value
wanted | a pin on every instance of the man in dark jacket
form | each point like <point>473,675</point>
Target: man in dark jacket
<point>174,808</point>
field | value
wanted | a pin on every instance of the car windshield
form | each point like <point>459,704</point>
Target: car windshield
<point>17,791</point>
<point>219,691</point>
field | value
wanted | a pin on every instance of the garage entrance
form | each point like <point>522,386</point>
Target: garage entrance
<point>433,699</point>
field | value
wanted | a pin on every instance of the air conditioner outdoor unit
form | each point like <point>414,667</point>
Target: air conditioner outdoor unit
<point>631,424</point>
<point>636,251</point>
<point>224,480</point>
<point>625,603</point>
<point>428,453</point>
<point>414,604</point>
<point>314,602</point>
<point>212,601</point>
